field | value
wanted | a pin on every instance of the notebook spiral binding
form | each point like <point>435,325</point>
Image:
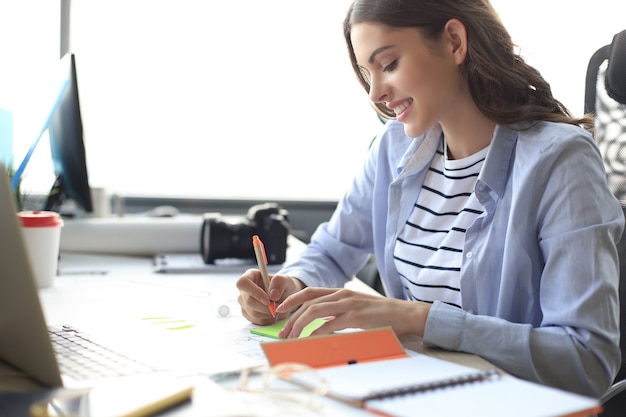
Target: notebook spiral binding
<point>479,376</point>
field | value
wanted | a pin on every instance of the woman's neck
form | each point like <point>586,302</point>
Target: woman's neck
<point>467,131</point>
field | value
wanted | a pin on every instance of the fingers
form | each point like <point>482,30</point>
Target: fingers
<point>344,309</point>
<point>251,283</point>
<point>300,297</point>
<point>316,303</point>
<point>341,308</point>
<point>254,300</point>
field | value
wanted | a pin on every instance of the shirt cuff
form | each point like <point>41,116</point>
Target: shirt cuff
<point>444,326</point>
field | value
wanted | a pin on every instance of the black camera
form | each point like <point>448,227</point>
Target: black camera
<point>221,237</point>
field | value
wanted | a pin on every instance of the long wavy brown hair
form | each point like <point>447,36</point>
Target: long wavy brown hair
<point>504,87</point>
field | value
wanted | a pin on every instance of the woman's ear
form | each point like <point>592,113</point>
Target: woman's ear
<point>456,35</point>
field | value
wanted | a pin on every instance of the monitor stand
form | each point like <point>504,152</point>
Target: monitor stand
<point>57,200</point>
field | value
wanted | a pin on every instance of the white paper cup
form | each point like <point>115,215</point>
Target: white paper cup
<point>101,202</point>
<point>42,236</point>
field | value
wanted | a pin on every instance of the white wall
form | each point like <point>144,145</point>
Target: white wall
<point>559,36</point>
<point>256,99</point>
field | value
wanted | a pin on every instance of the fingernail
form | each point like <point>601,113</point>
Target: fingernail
<point>279,308</point>
<point>264,300</point>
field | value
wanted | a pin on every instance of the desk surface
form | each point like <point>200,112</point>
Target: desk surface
<point>118,295</point>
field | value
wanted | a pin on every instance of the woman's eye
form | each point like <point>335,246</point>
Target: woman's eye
<point>391,66</point>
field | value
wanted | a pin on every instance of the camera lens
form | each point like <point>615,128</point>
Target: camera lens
<point>223,240</point>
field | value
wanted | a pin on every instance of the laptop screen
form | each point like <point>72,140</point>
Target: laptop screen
<point>24,340</point>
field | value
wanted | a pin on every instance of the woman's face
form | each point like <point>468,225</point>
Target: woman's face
<point>419,81</point>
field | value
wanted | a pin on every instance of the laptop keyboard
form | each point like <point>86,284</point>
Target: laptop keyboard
<point>80,357</point>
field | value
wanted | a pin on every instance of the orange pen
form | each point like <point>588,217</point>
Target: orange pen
<point>261,260</point>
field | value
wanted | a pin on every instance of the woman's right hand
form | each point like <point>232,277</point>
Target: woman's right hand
<point>254,301</point>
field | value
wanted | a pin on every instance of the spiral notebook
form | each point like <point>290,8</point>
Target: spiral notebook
<point>402,387</point>
<point>370,369</point>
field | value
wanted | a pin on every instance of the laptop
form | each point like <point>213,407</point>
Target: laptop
<point>26,342</point>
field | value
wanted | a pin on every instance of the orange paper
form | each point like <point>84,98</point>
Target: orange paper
<point>336,349</point>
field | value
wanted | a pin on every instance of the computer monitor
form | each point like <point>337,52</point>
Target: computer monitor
<point>67,147</point>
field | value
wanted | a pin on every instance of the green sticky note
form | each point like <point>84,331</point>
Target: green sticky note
<point>273,329</point>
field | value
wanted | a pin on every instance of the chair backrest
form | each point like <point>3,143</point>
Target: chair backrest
<point>614,55</point>
<point>605,97</point>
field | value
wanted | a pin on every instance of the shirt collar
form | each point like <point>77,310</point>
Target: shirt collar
<point>494,175</point>
<point>491,182</point>
<point>420,153</point>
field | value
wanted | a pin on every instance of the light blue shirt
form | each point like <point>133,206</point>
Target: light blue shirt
<point>540,272</point>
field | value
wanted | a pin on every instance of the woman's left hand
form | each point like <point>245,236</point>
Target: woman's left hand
<point>344,308</point>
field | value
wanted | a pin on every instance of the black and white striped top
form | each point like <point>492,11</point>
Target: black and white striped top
<point>428,251</point>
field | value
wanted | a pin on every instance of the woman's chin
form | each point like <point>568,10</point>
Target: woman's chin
<point>413,129</point>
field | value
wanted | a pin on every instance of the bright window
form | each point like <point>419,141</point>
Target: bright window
<point>247,99</point>
<point>28,77</point>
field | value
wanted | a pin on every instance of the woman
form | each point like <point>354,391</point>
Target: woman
<point>484,202</point>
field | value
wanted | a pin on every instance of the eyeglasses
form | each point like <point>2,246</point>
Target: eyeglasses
<point>270,385</point>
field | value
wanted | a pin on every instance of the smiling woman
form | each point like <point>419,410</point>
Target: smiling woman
<point>201,96</point>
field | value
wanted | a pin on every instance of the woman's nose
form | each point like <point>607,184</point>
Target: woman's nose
<point>378,91</point>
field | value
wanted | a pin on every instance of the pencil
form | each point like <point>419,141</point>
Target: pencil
<point>261,260</point>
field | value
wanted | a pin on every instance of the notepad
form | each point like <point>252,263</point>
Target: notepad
<point>504,396</point>
<point>371,370</point>
<point>273,329</point>
<point>399,387</point>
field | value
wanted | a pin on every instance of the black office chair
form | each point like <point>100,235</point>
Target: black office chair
<point>605,97</point>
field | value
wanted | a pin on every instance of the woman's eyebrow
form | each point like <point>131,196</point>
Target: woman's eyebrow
<point>378,51</point>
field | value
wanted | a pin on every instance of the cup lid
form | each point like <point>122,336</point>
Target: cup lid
<point>40,219</point>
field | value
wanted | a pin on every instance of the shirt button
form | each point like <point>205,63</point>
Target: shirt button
<point>469,255</point>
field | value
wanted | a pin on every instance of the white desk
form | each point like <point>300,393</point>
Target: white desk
<point>120,296</point>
